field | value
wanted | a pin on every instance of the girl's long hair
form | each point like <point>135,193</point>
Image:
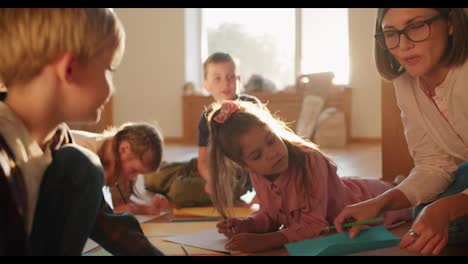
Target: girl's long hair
<point>224,151</point>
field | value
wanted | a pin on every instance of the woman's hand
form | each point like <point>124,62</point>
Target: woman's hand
<point>233,226</point>
<point>430,229</point>
<point>429,233</point>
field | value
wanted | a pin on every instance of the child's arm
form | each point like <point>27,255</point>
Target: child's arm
<point>121,234</point>
<point>158,204</point>
<point>261,222</point>
<point>202,165</point>
<point>248,242</point>
<point>233,226</point>
<point>258,222</point>
<point>324,194</point>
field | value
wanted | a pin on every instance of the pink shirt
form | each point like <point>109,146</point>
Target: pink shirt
<point>281,202</point>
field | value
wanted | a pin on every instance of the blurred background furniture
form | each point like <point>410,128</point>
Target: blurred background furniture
<point>327,125</point>
<point>395,154</point>
<point>286,105</point>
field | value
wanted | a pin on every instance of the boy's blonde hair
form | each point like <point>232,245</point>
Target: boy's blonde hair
<point>33,37</point>
<point>217,57</point>
<point>143,138</point>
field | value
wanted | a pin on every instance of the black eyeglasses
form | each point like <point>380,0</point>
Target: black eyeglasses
<point>415,32</point>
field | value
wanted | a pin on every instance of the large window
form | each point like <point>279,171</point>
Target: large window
<point>325,42</point>
<point>263,41</point>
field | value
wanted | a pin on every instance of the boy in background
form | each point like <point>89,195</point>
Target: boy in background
<point>181,181</point>
<point>221,81</point>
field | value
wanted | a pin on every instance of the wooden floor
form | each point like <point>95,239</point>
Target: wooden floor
<point>363,160</point>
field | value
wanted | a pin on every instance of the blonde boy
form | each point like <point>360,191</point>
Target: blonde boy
<point>56,65</point>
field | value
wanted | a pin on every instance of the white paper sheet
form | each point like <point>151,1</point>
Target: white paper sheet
<point>207,239</point>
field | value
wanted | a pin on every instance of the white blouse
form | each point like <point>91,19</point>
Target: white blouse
<point>436,132</point>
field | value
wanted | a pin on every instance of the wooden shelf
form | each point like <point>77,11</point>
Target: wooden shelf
<point>285,105</point>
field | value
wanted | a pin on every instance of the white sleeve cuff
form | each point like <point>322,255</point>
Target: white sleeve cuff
<point>424,184</point>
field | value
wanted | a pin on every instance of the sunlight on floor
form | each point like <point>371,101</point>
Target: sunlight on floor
<point>357,160</point>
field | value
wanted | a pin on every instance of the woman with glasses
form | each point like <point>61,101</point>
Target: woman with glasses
<point>424,52</point>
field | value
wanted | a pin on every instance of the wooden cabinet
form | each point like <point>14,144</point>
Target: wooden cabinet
<point>395,155</point>
<point>285,105</point>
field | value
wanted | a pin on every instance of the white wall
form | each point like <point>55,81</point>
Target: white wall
<point>364,78</point>
<point>149,80</point>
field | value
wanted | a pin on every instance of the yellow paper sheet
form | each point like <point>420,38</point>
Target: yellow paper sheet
<point>172,229</point>
<point>211,211</point>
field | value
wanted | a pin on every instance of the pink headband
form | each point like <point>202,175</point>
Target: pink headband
<point>227,108</point>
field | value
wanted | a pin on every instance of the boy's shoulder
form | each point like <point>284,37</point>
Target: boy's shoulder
<point>7,157</point>
<point>248,98</point>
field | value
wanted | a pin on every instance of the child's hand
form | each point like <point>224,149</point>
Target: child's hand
<point>232,226</point>
<point>160,202</point>
<point>357,212</point>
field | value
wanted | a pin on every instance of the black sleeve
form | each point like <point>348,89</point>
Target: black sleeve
<point>13,238</point>
<point>203,131</point>
<point>121,234</point>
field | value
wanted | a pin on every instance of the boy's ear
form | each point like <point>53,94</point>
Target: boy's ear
<point>65,66</point>
<point>124,148</point>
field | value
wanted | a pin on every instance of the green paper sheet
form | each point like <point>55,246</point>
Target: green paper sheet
<point>340,243</point>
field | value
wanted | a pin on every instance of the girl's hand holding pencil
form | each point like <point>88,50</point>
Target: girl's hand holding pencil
<point>232,226</point>
<point>228,226</point>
